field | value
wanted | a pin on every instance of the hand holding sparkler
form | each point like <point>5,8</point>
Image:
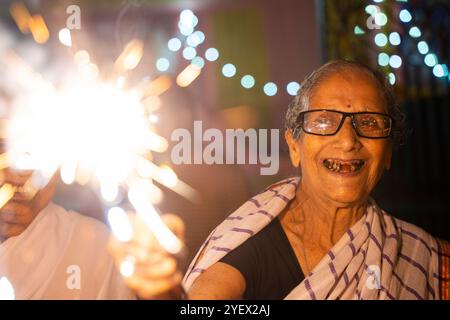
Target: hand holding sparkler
<point>20,201</point>
<point>148,268</point>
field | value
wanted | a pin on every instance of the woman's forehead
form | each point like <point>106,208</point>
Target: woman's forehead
<point>351,91</point>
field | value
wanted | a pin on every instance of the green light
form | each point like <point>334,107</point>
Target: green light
<point>381,39</point>
<point>415,32</point>
<point>358,30</point>
<point>383,59</point>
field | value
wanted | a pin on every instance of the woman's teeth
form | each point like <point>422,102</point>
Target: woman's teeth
<point>343,166</point>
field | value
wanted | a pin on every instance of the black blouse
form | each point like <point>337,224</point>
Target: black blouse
<point>268,263</point>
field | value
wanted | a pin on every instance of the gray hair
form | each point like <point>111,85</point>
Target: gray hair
<point>312,81</point>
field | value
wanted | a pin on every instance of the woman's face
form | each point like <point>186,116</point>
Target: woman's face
<point>347,91</point>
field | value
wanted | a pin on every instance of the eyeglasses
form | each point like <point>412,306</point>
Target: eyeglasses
<point>323,122</point>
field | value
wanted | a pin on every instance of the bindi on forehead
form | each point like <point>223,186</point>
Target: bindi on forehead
<point>349,106</point>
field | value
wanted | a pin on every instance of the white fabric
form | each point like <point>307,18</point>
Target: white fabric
<point>43,261</point>
<point>380,257</point>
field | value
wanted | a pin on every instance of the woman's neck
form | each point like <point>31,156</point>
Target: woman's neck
<point>322,222</point>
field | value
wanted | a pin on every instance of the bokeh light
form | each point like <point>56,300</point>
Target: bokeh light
<point>211,54</point>
<point>248,81</point>
<point>292,88</point>
<point>229,70</point>
<point>270,89</point>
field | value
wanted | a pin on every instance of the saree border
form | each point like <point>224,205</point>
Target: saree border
<point>444,271</point>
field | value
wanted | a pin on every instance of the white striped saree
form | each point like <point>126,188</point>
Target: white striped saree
<point>380,257</point>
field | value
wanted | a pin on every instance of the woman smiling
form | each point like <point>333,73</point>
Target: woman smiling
<point>321,235</point>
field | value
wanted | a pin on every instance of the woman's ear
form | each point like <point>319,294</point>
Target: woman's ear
<point>294,148</point>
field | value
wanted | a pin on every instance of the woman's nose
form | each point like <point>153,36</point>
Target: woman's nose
<point>347,138</point>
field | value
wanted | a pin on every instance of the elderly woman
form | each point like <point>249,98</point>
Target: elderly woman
<point>320,235</point>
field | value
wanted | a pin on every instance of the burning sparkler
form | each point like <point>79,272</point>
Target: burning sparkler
<point>94,131</point>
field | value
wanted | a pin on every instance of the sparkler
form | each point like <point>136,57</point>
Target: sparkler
<point>95,131</point>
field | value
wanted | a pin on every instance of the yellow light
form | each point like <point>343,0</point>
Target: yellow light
<point>156,87</point>
<point>130,56</point>
<point>6,193</point>
<point>39,29</point>
<point>21,16</point>
<point>188,75</point>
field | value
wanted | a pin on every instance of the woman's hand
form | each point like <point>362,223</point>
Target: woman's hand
<point>147,267</point>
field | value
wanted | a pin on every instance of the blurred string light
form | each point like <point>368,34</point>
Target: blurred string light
<point>198,61</point>
<point>186,24</point>
<point>229,70</point>
<point>391,78</point>
<point>422,47</point>
<point>162,64</point>
<point>405,16</point>
<point>440,70</point>
<point>189,53</point>
<point>211,54</point>
<point>174,44</point>
<point>381,19</point>
<point>292,88</point>
<point>380,39</point>
<point>395,61</point>
<point>430,59</point>
<point>394,38</point>
<point>195,39</point>
<point>358,30</point>
<point>248,81</point>
<point>270,89</point>
<point>415,32</point>
<point>383,59</point>
<point>188,21</point>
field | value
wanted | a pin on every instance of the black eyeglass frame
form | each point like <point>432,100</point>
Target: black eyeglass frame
<point>345,115</point>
